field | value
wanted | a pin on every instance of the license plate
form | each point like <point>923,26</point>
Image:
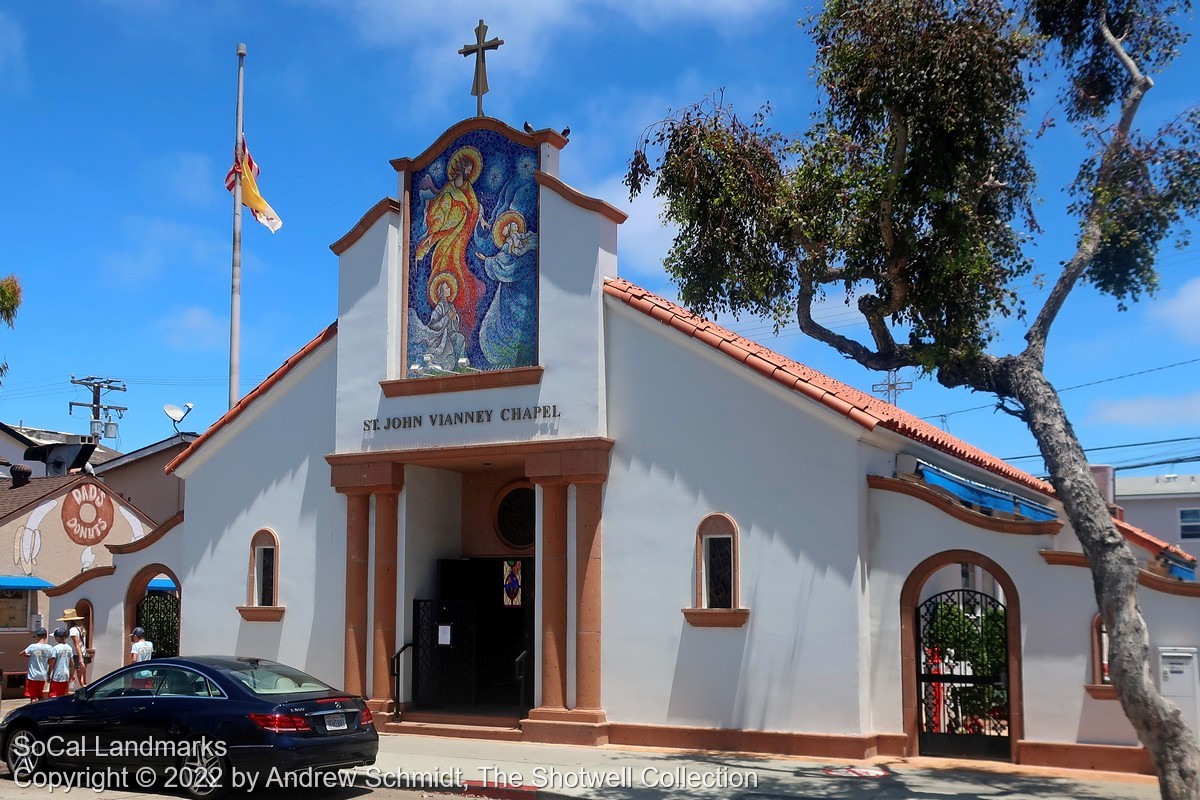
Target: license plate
<point>335,722</point>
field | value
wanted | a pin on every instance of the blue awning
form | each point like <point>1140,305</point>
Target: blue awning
<point>985,496</point>
<point>23,582</point>
<point>161,585</point>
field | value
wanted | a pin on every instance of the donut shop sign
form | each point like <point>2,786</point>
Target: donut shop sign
<point>87,514</point>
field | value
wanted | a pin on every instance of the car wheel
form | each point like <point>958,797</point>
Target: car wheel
<point>204,775</point>
<point>23,753</point>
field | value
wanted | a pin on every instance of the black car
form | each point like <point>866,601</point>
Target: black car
<point>201,724</point>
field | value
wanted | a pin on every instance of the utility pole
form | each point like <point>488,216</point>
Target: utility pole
<point>892,387</point>
<point>98,386</point>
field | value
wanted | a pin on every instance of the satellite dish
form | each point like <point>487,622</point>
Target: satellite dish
<point>176,413</point>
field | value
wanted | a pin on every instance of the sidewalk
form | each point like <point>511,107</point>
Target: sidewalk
<point>536,771</point>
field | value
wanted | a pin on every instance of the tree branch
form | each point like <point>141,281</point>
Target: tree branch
<point>897,358</point>
<point>1089,242</point>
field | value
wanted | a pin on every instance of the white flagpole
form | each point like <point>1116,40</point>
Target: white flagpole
<point>235,303</point>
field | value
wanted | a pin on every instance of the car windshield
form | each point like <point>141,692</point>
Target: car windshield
<point>264,678</point>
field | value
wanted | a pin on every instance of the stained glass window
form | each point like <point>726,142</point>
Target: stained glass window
<point>512,583</point>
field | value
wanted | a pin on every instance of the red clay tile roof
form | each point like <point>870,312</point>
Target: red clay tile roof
<point>864,409</point>
<point>272,379</point>
<point>1148,542</point>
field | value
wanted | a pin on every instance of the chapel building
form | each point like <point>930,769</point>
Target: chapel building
<point>510,494</point>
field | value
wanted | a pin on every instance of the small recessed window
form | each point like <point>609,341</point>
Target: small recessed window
<point>1100,686</point>
<point>718,572</point>
<point>717,602</point>
<point>1189,523</point>
<point>516,515</point>
<point>264,569</point>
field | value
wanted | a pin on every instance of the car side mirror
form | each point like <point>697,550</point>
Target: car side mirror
<point>81,694</point>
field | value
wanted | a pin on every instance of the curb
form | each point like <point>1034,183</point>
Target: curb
<point>498,792</point>
<point>364,779</point>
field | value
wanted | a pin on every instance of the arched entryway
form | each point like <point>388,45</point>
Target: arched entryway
<point>961,659</point>
<point>154,608</point>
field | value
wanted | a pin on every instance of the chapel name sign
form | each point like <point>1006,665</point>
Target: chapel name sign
<point>483,416</point>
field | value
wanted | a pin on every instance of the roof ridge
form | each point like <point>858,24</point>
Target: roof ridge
<point>241,405</point>
<point>847,400</point>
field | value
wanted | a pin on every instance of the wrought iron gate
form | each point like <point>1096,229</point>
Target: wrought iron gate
<point>443,653</point>
<point>962,675</point>
<point>159,615</point>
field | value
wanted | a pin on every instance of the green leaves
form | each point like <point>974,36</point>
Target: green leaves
<point>722,181</point>
<point>10,299</point>
<point>1096,77</point>
<point>912,192</point>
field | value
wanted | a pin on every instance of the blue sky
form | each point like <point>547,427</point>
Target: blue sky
<point>116,130</point>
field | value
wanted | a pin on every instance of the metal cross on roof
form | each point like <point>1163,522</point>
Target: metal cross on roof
<point>892,387</point>
<point>480,85</point>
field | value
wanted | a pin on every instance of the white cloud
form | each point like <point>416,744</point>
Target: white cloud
<point>194,329</point>
<point>14,69</point>
<point>1181,312</point>
<point>643,239</point>
<point>721,14</point>
<point>186,178</point>
<point>1146,411</point>
<point>162,246</point>
<point>534,32</point>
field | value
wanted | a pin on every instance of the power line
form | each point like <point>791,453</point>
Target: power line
<point>1116,447</point>
<point>1183,460</point>
<point>1076,386</point>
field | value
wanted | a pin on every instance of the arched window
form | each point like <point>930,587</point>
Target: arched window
<point>264,569</point>
<point>717,600</point>
<point>1100,686</point>
<point>1099,652</point>
<point>716,563</point>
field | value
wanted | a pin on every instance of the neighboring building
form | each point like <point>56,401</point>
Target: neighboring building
<point>1166,505</point>
<point>141,478</point>
<point>59,528</point>
<point>40,437</point>
<point>568,510</point>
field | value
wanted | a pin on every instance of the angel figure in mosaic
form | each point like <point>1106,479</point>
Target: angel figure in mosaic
<point>507,335</point>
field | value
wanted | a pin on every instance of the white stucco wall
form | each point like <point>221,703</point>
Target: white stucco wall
<point>109,635</point>
<point>1057,606</point>
<point>576,247</point>
<point>267,470</point>
<point>697,433</point>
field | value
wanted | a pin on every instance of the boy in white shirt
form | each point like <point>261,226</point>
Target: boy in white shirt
<point>39,654</point>
<point>60,665</point>
<point>142,650</point>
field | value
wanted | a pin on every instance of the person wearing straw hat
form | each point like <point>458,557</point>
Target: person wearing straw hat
<point>78,639</point>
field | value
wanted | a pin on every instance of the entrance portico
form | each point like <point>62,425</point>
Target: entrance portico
<point>569,477</point>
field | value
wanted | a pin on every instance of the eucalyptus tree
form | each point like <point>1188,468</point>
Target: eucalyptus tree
<point>912,192</point>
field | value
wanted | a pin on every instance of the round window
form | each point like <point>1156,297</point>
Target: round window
<point>516,514</point>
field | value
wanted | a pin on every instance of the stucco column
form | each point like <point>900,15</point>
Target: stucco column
<point>384,614</point>
<point>358,512</point>
<point>553,587</point>
<point>587,596</point>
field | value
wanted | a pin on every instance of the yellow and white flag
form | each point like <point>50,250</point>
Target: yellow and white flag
<point>251,199</point>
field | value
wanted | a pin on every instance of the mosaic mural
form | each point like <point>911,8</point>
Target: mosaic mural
<point>472,275</point>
